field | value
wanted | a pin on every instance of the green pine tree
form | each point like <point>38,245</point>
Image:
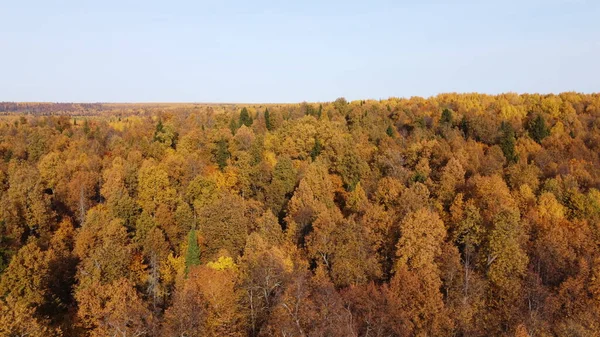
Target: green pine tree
<point>538,129</point>
<point>390,131</point>
<point>245,118</point>
<point>86,127</point>
<point>446,117</point>
<point>192,255</point>
<point>268,119</point>
<point>221,153</point>
<point>158,131</point>
<point>465,126</point>
<point>507,142</point>
<point>316,150</point>
<point>233,125</point>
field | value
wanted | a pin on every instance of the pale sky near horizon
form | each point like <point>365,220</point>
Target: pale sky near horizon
<point>292,51</point>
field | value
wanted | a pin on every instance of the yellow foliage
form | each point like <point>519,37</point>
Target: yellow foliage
<point>550,210</point>
<point>222,263</point>
<point>558,129</point>
<point>270,158</point>
<point>177,263</point>
<point>224,180</point>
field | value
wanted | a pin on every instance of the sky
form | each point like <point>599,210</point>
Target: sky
<point>292,51</point>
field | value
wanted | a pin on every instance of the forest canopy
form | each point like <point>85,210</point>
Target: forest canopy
<point>454,215</point>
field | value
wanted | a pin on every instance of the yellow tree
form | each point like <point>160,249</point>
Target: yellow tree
<point>114,309</point>
<point>19,319</point>
<point>26,277</point>
<point>417,282</point>
<point>154,188</point>
<point>224,225</point>
<point>313,196</point>
<point>188,313</point>
<point>264,271</point>
<point>506,265</point>
<point>103,247</point>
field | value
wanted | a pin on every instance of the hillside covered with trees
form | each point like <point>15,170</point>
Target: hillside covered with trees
<point>456,215</point>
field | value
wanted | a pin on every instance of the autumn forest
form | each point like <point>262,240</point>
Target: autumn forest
<point>454,215</point>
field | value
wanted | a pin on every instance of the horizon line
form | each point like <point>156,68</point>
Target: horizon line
<point>306,101</point>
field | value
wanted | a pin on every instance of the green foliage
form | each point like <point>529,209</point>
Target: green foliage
<point>390,131</point>
<point>159,128</point>
<point>507,142</point>
<point>309,110</point>
<point>86,127</point>
<point>268,122</point>
<point>538,129</point>
<point>316,150</point>
<point>233,125</point>
<point>221,153</point>
<point>245,118</point>
<point>447,118</point>
<point>465,126</point>
<point>192,254</point>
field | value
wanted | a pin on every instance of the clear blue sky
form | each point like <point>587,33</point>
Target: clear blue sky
<point>291,51</point>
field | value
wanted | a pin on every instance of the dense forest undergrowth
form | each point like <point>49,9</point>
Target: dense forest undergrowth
<point>456,215</point>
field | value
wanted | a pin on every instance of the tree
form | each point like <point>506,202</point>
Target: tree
<point>352,168</point>
<point>19,319</point>
<point>264,272</point>
<point>224,315</point>
<point>103,247</point>
<point>316,150</point>
<point>26,277</point>
<point>221,153</point>
<point>188,314</point>
<point>114,309</point>
<point>390,131</point>
<point>233,125</point>
<point>416,284</point>
<point>223,225</point>
<point>310,307</point>
<point>165,134</point>
<point>159,127</point>
<point>538,129</point>
<point>29,206</point>
<point>62,268</point>
<point>506,265</point>
<point>340,104</point>
<point>154,188</point>
<point>446,118</point>
<point>282,184</point>
<point>268,122</point>
<point>507,142</point>
<point>453,177</point>
<point>313,196</point>
<point>245,118</point>
<point>244,138</point>
<point>86,127</point>
<point>192,255</point>
<point>371,307</point>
